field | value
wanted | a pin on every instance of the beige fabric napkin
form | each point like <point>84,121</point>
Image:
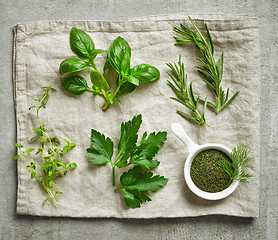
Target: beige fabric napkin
<point>40,47</point>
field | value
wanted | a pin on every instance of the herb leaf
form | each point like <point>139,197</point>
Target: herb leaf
<point>129,135</point>
<point>119,55</point>
<point>16,157</point>
<point>71,65</point>
<point>148,149</point>
<point>96,52</point>
<point>150,145</point>
<point>99,80</point>
<point>102,148</point>
<point>81,43</point>
<point>133,80</point>
<point>135,183</point>
<point>75,85</point>
<point>145,73</point>
<point>127,87</point>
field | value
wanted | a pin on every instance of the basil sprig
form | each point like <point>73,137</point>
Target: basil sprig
<point>118,57</point>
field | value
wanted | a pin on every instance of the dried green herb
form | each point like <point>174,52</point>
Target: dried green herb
<point>207,174</point>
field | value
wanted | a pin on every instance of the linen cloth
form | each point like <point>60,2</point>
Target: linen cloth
<point>39,48</point>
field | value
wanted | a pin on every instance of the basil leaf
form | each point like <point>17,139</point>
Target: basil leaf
<point>127,87</point>
<point>81,43</point>
<point>106,65</point>
<point>119,54</point>
<point>132,80</point>
<point>75,85</point>
<point>145,73</point>
<point>98,80</point>
<point>96,52</point>
<point>72,64</point>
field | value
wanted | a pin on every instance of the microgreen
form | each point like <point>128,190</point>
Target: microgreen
<point>118,57</point>
<point>239,161</point>
<point>212,71</point>
<point>139,179</point>
<point>50,165</point>
<point>185,94</point>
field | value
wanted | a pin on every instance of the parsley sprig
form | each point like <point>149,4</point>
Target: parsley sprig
<point>51,165</point>
<point>185,94</point>
<point>212,70</point>
<point>139,179</point>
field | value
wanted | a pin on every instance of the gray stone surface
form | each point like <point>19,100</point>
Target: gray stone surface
<point>13,226</point>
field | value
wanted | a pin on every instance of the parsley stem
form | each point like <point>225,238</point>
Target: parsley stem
<point>113,175</point>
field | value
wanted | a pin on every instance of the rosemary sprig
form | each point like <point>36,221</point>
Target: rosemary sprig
<point>185,93</point>
<point>239,161</point>
<point>212,71</point>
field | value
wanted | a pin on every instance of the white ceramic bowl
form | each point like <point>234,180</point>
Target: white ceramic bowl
<point>194,149</point>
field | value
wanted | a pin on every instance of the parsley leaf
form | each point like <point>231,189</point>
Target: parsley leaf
<point>148,149</point>
<point>135,183</point>
<point>102,148</point>
<point>129,135</point>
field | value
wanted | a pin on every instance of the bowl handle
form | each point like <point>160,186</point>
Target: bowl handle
<point>178,130</point>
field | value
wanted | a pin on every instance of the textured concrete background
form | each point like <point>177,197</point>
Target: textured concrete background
<point>13,226</point>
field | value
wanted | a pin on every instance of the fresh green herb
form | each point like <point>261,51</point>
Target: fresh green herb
<point>212,71</point>
<point>239,161</point>
<point>185,94</point>
<point>119,55</point>
<point>51,166</point>
<point>136,181</point>
<point>206,173</point>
